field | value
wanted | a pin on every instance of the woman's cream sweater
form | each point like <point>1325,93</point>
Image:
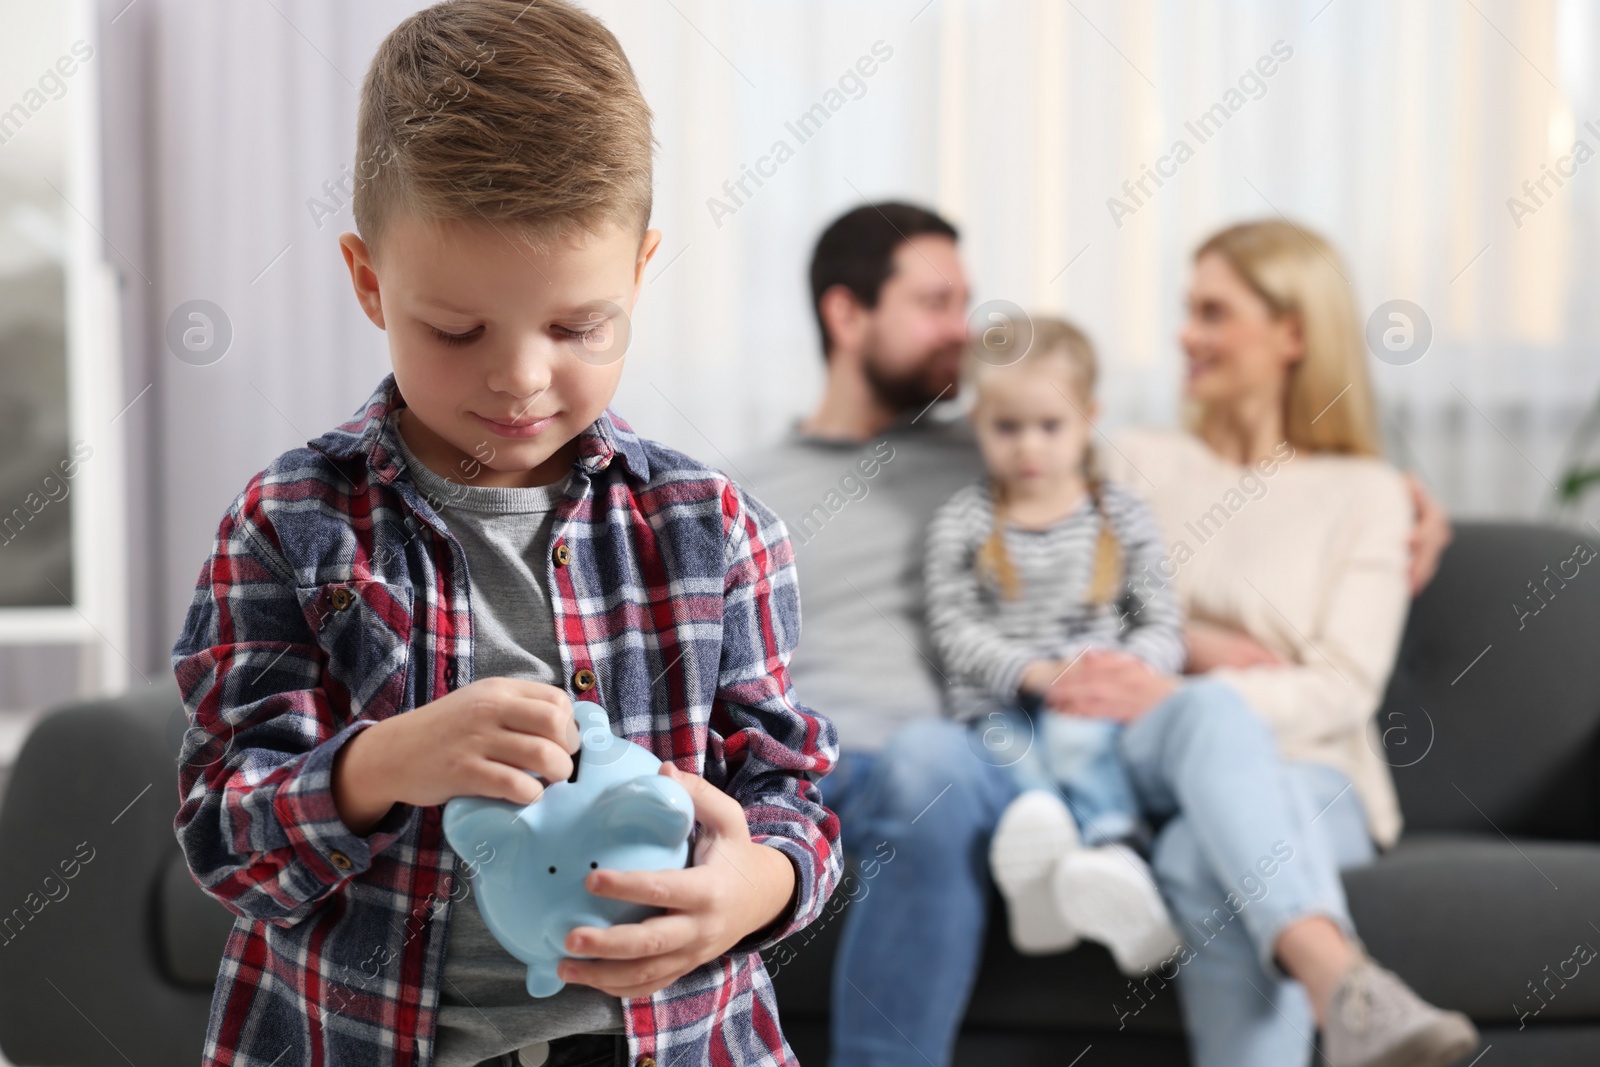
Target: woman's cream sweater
<point>1307,553</point>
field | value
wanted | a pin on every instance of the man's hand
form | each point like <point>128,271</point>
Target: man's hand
<point>1430,534</point>
<point>1109,684</point>
<point>1213,646</point>
<point>735,887</point>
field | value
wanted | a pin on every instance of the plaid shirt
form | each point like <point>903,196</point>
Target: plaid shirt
<point>334,597</point>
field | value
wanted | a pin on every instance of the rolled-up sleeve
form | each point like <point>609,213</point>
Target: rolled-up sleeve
<point>257,822</point>
<point>774,747</point>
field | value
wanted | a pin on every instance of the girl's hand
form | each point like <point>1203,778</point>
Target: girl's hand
<point>1212,646</point>
<point>1038,675</point>
<point>1108,684</point>
<point>735,887</point>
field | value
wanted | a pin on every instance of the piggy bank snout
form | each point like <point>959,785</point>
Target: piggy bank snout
<point>650,811</point>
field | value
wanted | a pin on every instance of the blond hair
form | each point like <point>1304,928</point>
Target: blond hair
<point>525,116</point>
<point>1059,346</point>
<point>1328,405</point>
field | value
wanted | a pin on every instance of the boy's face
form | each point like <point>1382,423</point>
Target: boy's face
<point>503,354</point>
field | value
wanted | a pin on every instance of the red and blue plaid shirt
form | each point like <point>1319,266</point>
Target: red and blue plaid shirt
<point>334,597</point>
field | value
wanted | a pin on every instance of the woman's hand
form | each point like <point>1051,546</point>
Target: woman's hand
<point>735,887</point>
<point>1108,684</point>
<point>1211,647</point>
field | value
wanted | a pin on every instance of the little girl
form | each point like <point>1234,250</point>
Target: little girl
<point>1026,570</point>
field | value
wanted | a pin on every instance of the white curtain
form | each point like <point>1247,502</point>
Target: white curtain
<point>1398,130</point>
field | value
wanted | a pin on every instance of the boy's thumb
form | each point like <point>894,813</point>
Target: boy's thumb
<point>713,809</point>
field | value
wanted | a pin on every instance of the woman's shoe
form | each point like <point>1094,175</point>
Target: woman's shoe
<point>1034,833</point>
<point>1109,895</point>
<point>1375,1020</point>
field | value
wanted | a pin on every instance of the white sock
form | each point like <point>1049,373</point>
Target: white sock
<point>1035,833</point>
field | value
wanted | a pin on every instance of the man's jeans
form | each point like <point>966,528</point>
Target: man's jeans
<point>1205,762</point>
<point>918,817</point>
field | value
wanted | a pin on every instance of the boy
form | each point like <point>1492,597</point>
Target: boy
<point>405,610</point>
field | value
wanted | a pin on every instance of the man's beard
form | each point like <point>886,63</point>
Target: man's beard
<point>916,388</point>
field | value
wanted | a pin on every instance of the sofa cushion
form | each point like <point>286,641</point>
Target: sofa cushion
<point>1477,922</point>
<point>1077,990</point>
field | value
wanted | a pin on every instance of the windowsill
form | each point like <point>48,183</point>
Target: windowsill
<point>14,729</point>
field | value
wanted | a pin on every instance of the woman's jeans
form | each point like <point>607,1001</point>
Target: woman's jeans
<point>1249,844</point>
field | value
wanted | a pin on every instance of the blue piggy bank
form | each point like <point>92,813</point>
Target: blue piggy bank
<point>616,811</point>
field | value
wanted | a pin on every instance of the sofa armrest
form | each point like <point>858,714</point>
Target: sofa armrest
<point>85,840</point>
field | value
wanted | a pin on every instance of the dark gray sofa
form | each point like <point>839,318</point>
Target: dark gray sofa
<point>1495,884</point>
<point>1496,878</point>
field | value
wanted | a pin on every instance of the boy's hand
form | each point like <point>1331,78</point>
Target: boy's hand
<point>475,741</point>
<point>735,887</point>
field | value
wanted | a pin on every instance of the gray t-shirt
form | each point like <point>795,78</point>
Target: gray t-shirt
<point>484,1006</point>
<point>857,514</point>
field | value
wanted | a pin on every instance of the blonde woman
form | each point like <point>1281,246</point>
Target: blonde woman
<point>1288,547</point>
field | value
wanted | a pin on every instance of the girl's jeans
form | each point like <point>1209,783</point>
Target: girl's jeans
<point>1248,845</point>
<point>1075,757</point>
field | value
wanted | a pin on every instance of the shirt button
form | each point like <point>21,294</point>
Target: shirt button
<point>341,598</point>
<point>450,673</point>
<point>339,860</point>
<point>647,1061</point>
<point>583,679</point>
<point>563,555</point>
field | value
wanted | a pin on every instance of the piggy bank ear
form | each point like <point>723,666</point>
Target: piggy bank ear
<point>469,822</point>
<point>652,811</point>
